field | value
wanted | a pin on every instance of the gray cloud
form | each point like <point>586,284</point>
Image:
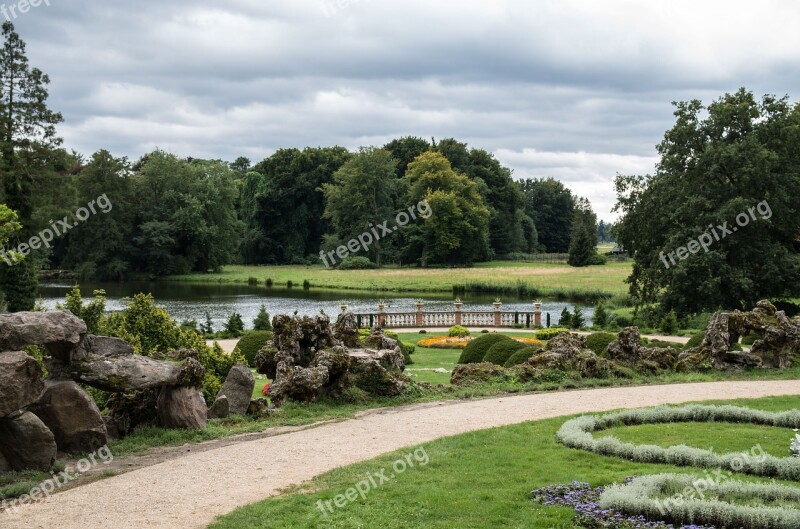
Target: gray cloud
<point>578,90</point>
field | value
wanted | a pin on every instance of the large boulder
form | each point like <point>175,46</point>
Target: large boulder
<point>221,408</point>
<point>132,373</point>
<point>182,407</point>
<point>73,417</point>
<point>238,388</point>
<point>21,382</point>
<point>27,443</point>
<point>59,332</point>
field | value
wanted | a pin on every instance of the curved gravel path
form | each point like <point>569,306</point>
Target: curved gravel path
<point>190,491</point>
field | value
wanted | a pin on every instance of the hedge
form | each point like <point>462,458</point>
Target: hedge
<point>474,352</point>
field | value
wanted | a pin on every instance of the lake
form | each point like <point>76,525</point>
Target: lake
<point>192,301</point>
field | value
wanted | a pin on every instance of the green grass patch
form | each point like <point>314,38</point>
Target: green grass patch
<point>500,277</point>
<point>479,480</point>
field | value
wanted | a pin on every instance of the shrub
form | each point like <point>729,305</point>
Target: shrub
<point>252,281</point>
<point>578,320</point>
<point>251,343</point>
<point>306,284</point>
<point>600,319</point>
<point>500,352</point>
<point>458,330</point>
<point>597,260</point>
<point>598,342</point>
<point>565,320</point>
<point>357,263</point>
<point>289,284</point>
<point>262,321</point>
<point>695,340</point>
<point>669,323</point>
<point>520,356</point>
<point>268,282</point>
<point>474,352</point>
<point>408,350</point>
<point>149,329</point>
<point>234,327</point>
<point>550,333</point>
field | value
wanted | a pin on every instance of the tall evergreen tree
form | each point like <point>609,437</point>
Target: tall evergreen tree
<point>583,235</point>
<point>27,144</point>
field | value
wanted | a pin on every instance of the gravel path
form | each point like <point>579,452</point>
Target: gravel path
<point>190,491</point>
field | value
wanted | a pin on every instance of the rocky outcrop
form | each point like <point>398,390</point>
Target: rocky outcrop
<point>182,407</point>
<point>346,330</point>
<point>238,389</point>
<point>482,373</point>
<point>778,346</point>
<point>21,382</point>
<point>628,350</point>
<point>26,443</point>
<point>306,361</point>
<point>73,417</point>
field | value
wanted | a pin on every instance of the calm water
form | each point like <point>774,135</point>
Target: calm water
<point>187,302</point>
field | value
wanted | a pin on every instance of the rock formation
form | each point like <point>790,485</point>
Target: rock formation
<point>777,346</point>
<point>308,358</point>
<point>40,418</point>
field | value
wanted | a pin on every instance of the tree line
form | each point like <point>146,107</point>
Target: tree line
<point>175,215</point>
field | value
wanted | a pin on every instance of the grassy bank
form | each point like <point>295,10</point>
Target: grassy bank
<point>498,277</point>
<point>482,480</point>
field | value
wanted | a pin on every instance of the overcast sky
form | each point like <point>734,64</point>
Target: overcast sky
<point>577,90</point>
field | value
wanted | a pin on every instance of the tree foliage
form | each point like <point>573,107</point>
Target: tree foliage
<point>551,206</point>
<point>717,162</point>
<point>583,235</point>
<point>457,232</point>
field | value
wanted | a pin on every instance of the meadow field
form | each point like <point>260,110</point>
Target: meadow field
<point>500,277</point>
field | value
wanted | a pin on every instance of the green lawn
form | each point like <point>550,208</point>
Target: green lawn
<point>481,480</point>
<point>501,276</point>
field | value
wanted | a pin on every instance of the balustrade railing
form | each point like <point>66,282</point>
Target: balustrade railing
<point>422,318</point>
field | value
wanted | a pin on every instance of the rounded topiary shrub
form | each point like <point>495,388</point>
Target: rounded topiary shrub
<point>520,356</point>
<point>357,263</point>
<point>500,352</point>
<point>458,330</point>
<point>474,352</point>
<point>598,342</point>
<point>251,343</point>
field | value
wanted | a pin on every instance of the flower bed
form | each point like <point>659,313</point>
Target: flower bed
<point>455,342</point>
